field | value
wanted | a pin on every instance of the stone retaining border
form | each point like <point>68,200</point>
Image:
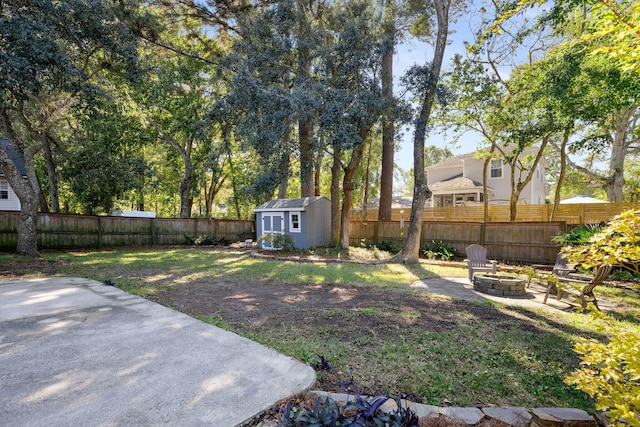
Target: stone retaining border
<point>506,416</point>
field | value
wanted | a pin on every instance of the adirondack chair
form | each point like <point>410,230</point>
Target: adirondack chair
<point>581,289</point>
<point>561,268</point>
<point>477,261</point>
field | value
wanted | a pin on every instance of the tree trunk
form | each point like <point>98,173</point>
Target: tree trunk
<point>336,167</point>
<point>27,226</point>
<point>348,185</point>
<point>388,125</point>
<point>367,183</point>
<point>307,189</point>
<point>614,183</point>
<point>51,174</point>
<point>234,185</point>
<point>517,187</point>
<point>316,173</point>
<point>211,193</point>
<point>563,170</point>
<point>185,185</point>
<point>411,249</point>
<point>284,176</point>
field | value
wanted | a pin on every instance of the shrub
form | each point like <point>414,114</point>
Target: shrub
<point>579,235</point>
<point>283,242</point>
<point>361,412</point>
<point>206,240</point>
<point>439,250</point>
<point>388,246</point>
<point>610,372</point>
<point>617,244</point>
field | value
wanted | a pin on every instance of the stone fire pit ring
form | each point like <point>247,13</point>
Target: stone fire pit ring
<point>500,285</point>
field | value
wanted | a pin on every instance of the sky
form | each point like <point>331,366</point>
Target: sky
<point>415,52</point>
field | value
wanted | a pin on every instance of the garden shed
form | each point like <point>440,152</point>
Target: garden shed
<point>306,220</point>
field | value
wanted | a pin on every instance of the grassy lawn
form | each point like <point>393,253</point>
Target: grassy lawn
<point>365,319</point>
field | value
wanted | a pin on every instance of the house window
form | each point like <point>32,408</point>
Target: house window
<point>294,222</point>
<point>4,190</point>
<point>496,168</point>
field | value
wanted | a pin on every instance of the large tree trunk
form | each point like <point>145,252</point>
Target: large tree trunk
<point>348,185</point>
<point>614,184</point>
<point>305,126</point>
<point>411,249</point>
<point>388,126</point>
<point>185,183</point>
<point>517,187</point>
<point>284,178</point>
<point>336,167</point>
<point>27,227</point>
<point>51,174</point>
<point>307,189</point>
<point>367,183</point>
<point>563,171</point>
<point>316,173</point>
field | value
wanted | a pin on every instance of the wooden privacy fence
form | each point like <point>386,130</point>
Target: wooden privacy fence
<point>593,213</point>
<point>517,242</point>
<point>57,231</point>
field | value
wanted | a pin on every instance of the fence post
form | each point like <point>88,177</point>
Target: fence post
<point>153,231</point>
<point>99,232</point>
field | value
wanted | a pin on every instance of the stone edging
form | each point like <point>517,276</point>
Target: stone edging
<point>506,416</point>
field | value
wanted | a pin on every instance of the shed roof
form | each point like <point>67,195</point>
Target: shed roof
<point>8,147</point>
<point>298,204</point>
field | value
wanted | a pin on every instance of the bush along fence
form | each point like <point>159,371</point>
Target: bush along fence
<point>60,231</point>
<point>528,242</point>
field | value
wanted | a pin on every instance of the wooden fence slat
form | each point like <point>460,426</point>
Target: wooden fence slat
<point>573,214</point>
<point>60,231</point>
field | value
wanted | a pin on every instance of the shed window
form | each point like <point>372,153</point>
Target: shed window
<point>294,222</point>
<point>496,168</point>
<point>4,190</point>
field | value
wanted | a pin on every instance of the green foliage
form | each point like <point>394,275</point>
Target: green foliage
<point>610,372</point>
<point>361,412</point>
<point>207,240</point>
<point>388,246</point>
<point>439,250</point>
<point>282,242</point>
<point>577,236</point>
<point>617,244</point>
<point>48,45</point>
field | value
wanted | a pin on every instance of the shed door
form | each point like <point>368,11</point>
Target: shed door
<point>272,223</point>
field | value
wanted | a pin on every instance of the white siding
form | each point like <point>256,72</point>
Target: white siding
<point>12,203</point>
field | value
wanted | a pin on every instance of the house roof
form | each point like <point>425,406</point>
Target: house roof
<point>298,204</point>
<point>457,161</point>
<point>457,182</point>
<point>8,147</point>
<point>454,161</point>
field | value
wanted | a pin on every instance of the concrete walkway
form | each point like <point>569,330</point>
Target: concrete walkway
<point>75,352</point>
<point>461,288</point>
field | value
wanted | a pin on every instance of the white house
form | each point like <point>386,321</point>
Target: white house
<point>8,199</point>
<point>457,181</point>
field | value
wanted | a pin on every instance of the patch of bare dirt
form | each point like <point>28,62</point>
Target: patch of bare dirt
<point>26,267</point>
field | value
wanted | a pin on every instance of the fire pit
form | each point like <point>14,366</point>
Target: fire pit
<point>501,285</point>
